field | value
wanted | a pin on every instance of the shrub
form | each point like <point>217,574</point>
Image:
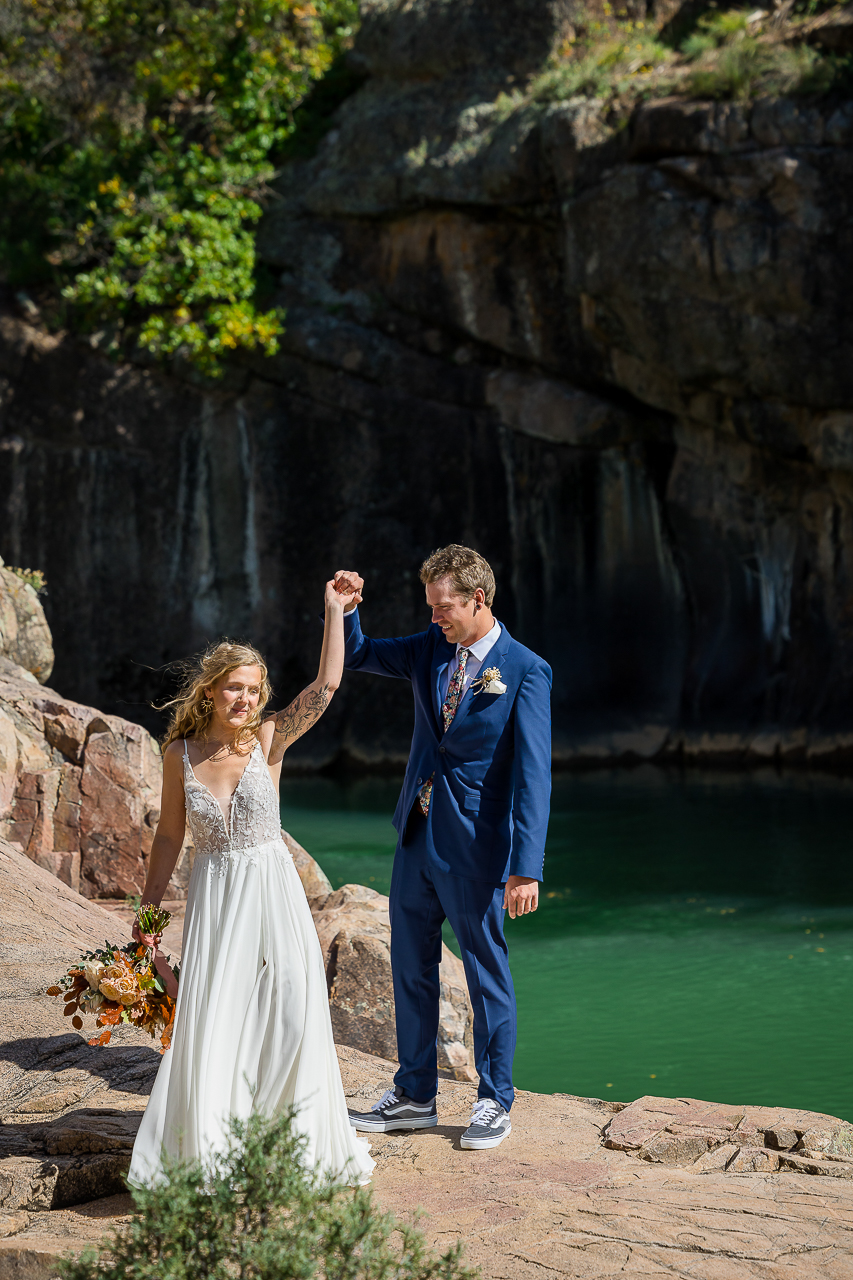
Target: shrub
<point>714,29</point>
<point>258,1214</point>
<point>33,577</point>
<point>137,144</point>
<point>730,53</point>
<point>750,68</point>
<point>607,66</point>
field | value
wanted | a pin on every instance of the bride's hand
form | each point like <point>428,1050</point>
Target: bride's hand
<point>149,940</point>
<point>338,599</point>
<point>349,584</point>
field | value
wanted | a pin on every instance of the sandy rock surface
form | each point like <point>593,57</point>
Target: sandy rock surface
<point>582,1188</point>
<point>552,1200</point>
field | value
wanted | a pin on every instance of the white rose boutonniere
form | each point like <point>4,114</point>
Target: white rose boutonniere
<point>489,682</point>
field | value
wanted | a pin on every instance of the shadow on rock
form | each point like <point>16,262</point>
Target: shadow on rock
<point>125,1068</point>
<point>79,1157</point>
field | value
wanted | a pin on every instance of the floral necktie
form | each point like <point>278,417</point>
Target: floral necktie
<point>448,711</point>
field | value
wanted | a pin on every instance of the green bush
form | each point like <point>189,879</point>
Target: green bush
<point>714,29</point>
<point>733,59</point>
<point>729,53</point>
<point>257,1214</point>
<point>608,65</point>
<point>137,142</point>
<point>33,577</point>
<point>750,68</point>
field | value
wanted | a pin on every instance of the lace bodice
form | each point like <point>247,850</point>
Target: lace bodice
<point>253,814</point>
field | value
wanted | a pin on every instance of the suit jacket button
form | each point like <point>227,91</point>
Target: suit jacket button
<point>420,780</point>
<point>442,750</point>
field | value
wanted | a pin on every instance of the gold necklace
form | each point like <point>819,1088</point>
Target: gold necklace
<point>230,750</point>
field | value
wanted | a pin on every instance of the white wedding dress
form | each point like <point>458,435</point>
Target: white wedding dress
<point>252,1027</point>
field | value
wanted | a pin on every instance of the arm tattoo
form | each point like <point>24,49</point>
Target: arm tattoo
<point>303,711</point>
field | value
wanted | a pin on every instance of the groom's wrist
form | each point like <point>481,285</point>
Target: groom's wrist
<point>525,874</point>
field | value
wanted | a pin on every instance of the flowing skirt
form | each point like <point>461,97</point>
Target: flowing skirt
<point>252,1027</point>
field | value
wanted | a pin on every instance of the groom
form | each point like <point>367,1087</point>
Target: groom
<point>471,821</point>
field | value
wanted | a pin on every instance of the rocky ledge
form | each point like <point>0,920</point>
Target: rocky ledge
<point>581,1188</point>
<point>560,1197</point>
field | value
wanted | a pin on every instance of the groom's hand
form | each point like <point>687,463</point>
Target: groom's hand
<point>348,583</point>
<point>521,895</point>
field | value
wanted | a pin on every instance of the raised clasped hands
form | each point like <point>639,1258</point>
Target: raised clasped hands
<point>348,584</point>
<point>521,895</point>
<point>341,597</point>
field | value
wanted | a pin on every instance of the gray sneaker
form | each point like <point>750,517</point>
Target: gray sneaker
<point>489,1125</point>
<point>395,1111</point>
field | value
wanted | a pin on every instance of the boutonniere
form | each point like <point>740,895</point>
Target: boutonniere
<point>489,682</point>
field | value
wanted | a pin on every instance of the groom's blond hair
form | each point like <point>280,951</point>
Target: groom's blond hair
<point>466,569</point>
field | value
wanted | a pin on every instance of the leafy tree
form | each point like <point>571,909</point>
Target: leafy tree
<point>137,142</point>
<point>256,1213</point>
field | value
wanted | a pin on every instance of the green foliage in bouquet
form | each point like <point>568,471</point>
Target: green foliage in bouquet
<point>152,920</point>
<point>121,984</point>
<point>257,1213</point>
<point>137,143</point>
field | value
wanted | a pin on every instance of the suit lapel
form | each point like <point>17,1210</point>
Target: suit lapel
<point>436,689</point>
<point>495,656</point>
<point>440,662</point>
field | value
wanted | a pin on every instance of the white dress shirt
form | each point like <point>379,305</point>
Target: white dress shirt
<point>477,654</point>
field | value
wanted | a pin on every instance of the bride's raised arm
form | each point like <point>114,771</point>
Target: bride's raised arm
<point>307,707</point>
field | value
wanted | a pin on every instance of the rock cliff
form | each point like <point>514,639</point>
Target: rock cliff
<point>618,360</point>
<point>25,638</point>
<point>79,790</point>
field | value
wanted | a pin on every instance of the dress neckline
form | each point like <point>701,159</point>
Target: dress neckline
<point>197,779</point>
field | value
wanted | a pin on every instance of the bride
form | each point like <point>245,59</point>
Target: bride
<point>252,1028</point>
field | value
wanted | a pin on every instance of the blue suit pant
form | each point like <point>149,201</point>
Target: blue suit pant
<point>422,897</point>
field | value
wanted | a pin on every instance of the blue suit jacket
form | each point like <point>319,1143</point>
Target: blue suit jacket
<point>491,797</point>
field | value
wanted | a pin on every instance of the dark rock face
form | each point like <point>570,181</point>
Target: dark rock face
<point>618,363</point>
<point>432,37</point>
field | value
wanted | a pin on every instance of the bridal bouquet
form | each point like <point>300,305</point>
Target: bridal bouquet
<point>131,983</point>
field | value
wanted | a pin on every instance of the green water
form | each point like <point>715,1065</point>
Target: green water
<point>695,937</point>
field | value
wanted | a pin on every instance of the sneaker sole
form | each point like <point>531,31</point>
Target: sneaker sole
<point>482,1144</point>
<point>389,1126</point>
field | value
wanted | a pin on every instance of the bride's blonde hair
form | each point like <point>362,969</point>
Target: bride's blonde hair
<point>189,717</point>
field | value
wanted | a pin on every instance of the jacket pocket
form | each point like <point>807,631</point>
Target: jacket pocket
<point>471,801</point>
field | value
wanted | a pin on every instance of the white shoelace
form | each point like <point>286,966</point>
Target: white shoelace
<point>485,1111</point>
<point>390,1095</point>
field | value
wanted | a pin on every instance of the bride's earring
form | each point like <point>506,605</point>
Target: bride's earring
<point>207,705</point>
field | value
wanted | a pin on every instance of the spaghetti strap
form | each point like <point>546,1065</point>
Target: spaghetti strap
<point>186,753</point>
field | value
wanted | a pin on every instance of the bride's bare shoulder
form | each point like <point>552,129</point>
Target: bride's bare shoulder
<point>174,749</point>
